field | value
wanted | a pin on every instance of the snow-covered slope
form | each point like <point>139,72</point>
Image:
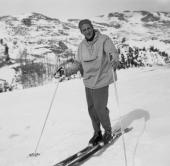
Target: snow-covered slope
<point>144,95</point>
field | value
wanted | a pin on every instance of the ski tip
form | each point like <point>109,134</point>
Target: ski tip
<point>34,154</point>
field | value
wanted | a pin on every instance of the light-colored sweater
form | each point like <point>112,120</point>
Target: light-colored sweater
<point>95,59</point>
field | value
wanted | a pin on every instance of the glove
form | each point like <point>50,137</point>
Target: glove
<point>59,72</point>
<point>69,68</point>
<point>114,62</point>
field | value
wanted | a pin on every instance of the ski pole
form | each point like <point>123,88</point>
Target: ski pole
<point>120,120</point>
<point>52,100</point>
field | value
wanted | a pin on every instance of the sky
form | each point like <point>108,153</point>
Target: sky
<point>64,9</point>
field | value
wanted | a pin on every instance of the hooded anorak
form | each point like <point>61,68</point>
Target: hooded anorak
<point>95,59</point>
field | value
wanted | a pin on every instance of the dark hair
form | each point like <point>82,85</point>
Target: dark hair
<point>85,21</point>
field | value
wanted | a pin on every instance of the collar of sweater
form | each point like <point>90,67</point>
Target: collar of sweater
<point>90,43</point>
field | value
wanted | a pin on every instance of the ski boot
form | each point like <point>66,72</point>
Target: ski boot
<point>107,137</point>
<point>97,137</point>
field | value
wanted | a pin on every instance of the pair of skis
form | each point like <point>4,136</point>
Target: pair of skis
<point>84,154</point>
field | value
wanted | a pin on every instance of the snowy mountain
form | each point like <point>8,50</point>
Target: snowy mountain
<point>38,34</point>
<point>41,35</point>
<point>138,27</point>
<point>37,38</point>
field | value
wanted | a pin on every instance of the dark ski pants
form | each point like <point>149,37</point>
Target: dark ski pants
<point>97,106</point>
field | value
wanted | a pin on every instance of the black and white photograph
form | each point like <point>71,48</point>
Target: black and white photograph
<point>84,82</point>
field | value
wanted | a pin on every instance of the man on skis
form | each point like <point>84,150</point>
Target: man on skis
<point>97,60</point>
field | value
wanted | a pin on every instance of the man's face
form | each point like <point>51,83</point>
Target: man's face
<point>87,31</point>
